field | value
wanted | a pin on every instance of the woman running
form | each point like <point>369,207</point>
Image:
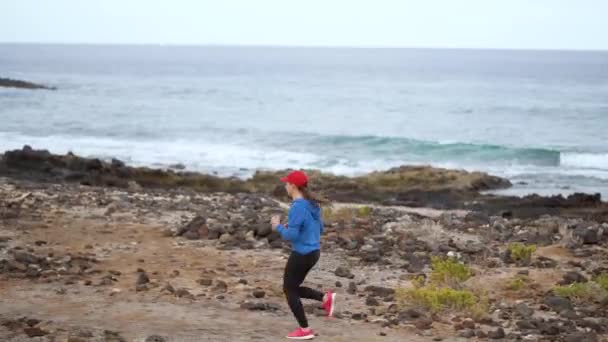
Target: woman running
<point>303,229</point>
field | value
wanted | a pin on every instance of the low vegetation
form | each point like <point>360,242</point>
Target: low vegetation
<point>595,290</point>
<point>521,253</point>
<point>444,290</point>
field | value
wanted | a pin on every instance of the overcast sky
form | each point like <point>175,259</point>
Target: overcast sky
<point>527,24</point>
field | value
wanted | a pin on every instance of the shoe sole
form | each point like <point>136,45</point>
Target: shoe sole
<point>333,304</point>
<point>309,337</point>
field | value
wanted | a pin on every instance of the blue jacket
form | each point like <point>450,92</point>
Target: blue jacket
<point>304,226</point>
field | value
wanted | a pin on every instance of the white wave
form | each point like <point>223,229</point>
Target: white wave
<point>585,160</point>
<point>241,159</point>
<point>195,155</point>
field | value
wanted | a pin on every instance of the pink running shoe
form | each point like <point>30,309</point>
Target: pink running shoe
<point>330,303</point>
<point>300,334</point>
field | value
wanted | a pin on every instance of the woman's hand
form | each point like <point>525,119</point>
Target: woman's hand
<point>275,221</point>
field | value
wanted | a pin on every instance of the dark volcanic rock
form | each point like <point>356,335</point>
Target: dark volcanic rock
<point>10,83</point>
<point>195,229</point>
<point>343,272</point>
<point>580,336</point>
<point>523,310</point>
<point>380,291</point>
<point>34,332</point>
<point>573,277</point>
<point>558,304</point>
<point>587,235</point>
<point>497,334</point>
<point>259,293</point>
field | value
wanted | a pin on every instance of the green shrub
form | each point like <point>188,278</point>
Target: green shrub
<point>517,283</point>
<point>521,253</point>
<point>602,281</point>
<point>441,299</point>
<point>576,291</point>
<point>448,271</point>
<point>364,211</point>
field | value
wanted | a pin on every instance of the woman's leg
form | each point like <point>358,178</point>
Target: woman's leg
<point>307,292</point>
<point>296,270</point>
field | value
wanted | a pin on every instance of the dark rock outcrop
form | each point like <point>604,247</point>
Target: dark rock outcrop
<point>10,83</point>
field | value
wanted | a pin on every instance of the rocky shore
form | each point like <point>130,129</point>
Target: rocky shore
<point>94,250</point>
<point>10,83</point>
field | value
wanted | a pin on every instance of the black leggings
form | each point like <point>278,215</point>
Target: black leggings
<point>296,270</point>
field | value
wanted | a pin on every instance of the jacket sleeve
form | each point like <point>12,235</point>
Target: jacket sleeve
<point>295,222</point>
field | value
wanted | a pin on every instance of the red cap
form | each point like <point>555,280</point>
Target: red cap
<point>297,178</point>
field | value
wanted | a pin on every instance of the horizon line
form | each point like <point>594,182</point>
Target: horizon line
<point>294,46</point>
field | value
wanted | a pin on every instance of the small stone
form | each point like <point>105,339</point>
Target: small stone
<point>142,279</point>
<point>35,332</point>
<point>409,315</point>
<point>497,334</point>
<point>169,288</point>
<point>343,272</point>
<point>526,325</point>
<point>205,281</point>
<point>558,304</point>
<point>259,293</point>
<point>184,293</point>
<point>481,334</point>
<point>221,285</point>
<point>112,336</point>
<point>569,314</point>
<point>243,281</point>
<point>254,306</point>
<point>467,333</point>
<point>32,322</point>
<point>587,235</point>
<point>26,258</point>
<point>13,265</point>
<point>338,284</point>
<point>468,324</point>
<point>573,277</point>
<point>423,324</point>
<point>581,337</point>
<point>226,238</point>
<point>155,338</point>
<point>371,301</point>
<point>358,316</point>
<point>380,291</point>
<point>550,329</point>
<point>382,333</point>
<point>352,288</point>
<point>524,311</point>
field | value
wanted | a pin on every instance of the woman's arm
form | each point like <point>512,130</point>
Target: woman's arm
<point>295,222</point>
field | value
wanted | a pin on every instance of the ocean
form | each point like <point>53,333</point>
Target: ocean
<point>539,118</point>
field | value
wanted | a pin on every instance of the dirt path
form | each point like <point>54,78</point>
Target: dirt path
<point>182,321</point>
